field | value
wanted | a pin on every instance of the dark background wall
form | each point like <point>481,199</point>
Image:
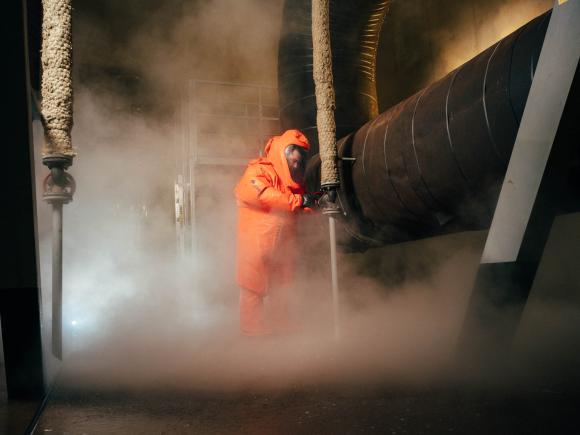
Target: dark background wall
<point>421,41</point>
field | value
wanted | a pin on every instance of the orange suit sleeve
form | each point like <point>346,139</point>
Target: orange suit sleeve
<point>255,188</point>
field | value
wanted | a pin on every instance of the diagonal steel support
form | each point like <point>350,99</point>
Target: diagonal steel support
<point>528,201</point>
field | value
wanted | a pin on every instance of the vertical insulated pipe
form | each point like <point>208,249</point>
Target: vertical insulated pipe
<point>57,119</point>
<point>325,105</point>
<point>57,279</point>
<point>56,84</point>
<point>325,98</point>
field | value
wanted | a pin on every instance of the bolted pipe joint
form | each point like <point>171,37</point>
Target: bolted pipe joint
<point>57,160</point>
<point>59,189</point>
<point>58,186</point>
<point>329,202</point>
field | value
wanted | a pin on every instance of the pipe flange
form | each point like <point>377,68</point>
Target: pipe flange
<point>331,209</point>
<point>330,202</point>
<point>58,187</point>
<point>57,161</point>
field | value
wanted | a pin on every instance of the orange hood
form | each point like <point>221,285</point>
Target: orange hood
<point>274,153</point>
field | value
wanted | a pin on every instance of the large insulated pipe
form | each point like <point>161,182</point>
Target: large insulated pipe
<point>354,27</point>
<point>433,163</point>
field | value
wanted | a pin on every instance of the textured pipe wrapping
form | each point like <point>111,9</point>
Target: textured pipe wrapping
<point>325,99</point>
<point>433,164</point>
<point>56,86</point>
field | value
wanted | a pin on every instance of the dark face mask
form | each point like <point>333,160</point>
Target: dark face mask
<point>296,158</point>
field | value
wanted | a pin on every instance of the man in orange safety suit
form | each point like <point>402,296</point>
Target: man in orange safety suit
<point>270,196</point>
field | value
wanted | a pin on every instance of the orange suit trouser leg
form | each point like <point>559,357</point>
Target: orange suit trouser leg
<point>278,310</point>
<point>252,316</point>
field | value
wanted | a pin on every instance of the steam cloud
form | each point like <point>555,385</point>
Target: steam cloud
<point>143,315</point>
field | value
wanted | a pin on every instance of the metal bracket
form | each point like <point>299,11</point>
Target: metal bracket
<point>329,202</point>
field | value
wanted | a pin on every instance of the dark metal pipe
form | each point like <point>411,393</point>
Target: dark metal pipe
<point>57,279</point>
<point>433,164</point>
<point>59,187</point>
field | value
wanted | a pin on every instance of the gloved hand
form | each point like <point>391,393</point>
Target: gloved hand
<point>310,200</point>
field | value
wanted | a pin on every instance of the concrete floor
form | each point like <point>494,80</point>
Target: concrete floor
<point>15,415</point>
<point>384,410</point>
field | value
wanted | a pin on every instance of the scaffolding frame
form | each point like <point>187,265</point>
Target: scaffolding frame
<point>256,112</point>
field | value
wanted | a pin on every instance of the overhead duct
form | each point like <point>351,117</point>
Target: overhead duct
<point>354,27</point>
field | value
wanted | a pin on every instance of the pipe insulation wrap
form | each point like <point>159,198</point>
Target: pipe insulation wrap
<point>56,85</point>
<point>325,102</point>
<point>432,164</point>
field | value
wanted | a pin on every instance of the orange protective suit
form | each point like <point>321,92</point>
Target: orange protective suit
<point>268,203</point>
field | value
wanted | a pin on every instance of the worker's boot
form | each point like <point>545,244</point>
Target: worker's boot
<point>252,319</point>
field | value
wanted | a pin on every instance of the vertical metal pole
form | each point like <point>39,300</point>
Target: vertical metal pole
<point>192,163</point>
<point>57,279</point>
<point>59,187</point>
<point>334,275</point>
